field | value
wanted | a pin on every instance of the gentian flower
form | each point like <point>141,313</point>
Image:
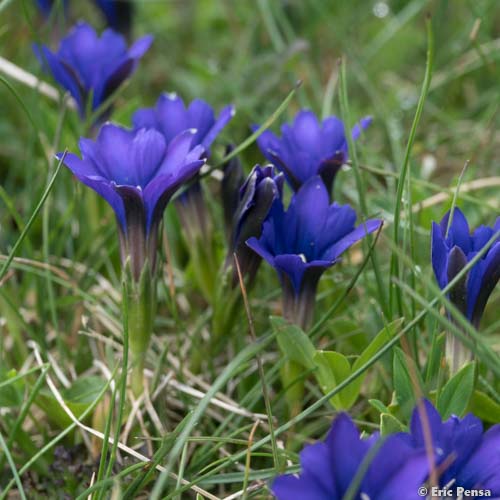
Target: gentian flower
<point>136,172</point>
<point>308,148</point>
<point>450,254</point>
<point>170,116</point>
<point>464,455</point>
<point>395,470</point>
<point>87,65</point>
<point>256,197</point>
<point>304,241</point>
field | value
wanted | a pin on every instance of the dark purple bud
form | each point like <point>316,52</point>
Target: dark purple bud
<point>256,197</point>
<point>456,262</point>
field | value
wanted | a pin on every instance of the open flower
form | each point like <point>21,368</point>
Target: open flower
<point>256,197</point>
<point>170,116</point>
<point>304,241</point>
<point>308,148</point>
<point>395,470</point>
<point>89,66</point>
<point>464,455</point>
<point>136,172</point>
<point>450,254</point>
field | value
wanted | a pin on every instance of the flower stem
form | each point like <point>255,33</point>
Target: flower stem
<point>141,300</point>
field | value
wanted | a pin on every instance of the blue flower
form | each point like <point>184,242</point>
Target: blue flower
<point>256,197</point>
<point>464,455</point>
<point>136,172</point>
<point>450,253</point>
<point>304,241</point>
<point>170,116</point>
<point>395,469</point>
<point>308,148</point>
<point>86,65</point>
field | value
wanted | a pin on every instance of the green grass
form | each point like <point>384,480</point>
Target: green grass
<point>225,430</point>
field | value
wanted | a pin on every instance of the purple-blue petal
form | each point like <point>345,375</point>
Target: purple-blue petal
<point>223,119</point>
<point>481,470</point>
<point>439,255</point>
<point>458,233</point>
<point>344,436</point>
<point>351,238</point>
<point>489,273</point>
<point>309,210</point>
<point>363,124</point>
<point>65,76</point>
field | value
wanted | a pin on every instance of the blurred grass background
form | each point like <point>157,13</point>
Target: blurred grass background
<point>251,54</point>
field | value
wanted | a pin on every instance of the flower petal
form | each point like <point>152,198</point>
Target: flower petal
<point>345,436</point>
<point>439,255</point>
<point>332,137</point>
<point>306,131</point>
<point>172,116</point>
<point>309,210</point>
<point>489,270</point>
<point>481,471</point>
<point>223,119</point>
<point>65,76</point>
<point>354,236</point>
<point>363,124</point>
<point>459,233</point>
<point>268,143</point>
<point>140,46</point>
<point>458,294</point>
<point>290,487</point>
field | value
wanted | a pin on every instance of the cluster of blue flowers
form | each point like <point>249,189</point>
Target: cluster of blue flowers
<point>452,456</point>
<point>137,170</point>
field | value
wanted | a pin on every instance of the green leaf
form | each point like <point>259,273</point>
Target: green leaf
<point>334,368</point>
<point>435,356</point>
<point>456,394</point>
<point>11,393</point>
<point>378,405</point>
<point>484,407</point>
<point>382,338</point>
<point>293,342</point>
<point>389,424</point>
<point>404,388</point>
<point>77,398</point>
